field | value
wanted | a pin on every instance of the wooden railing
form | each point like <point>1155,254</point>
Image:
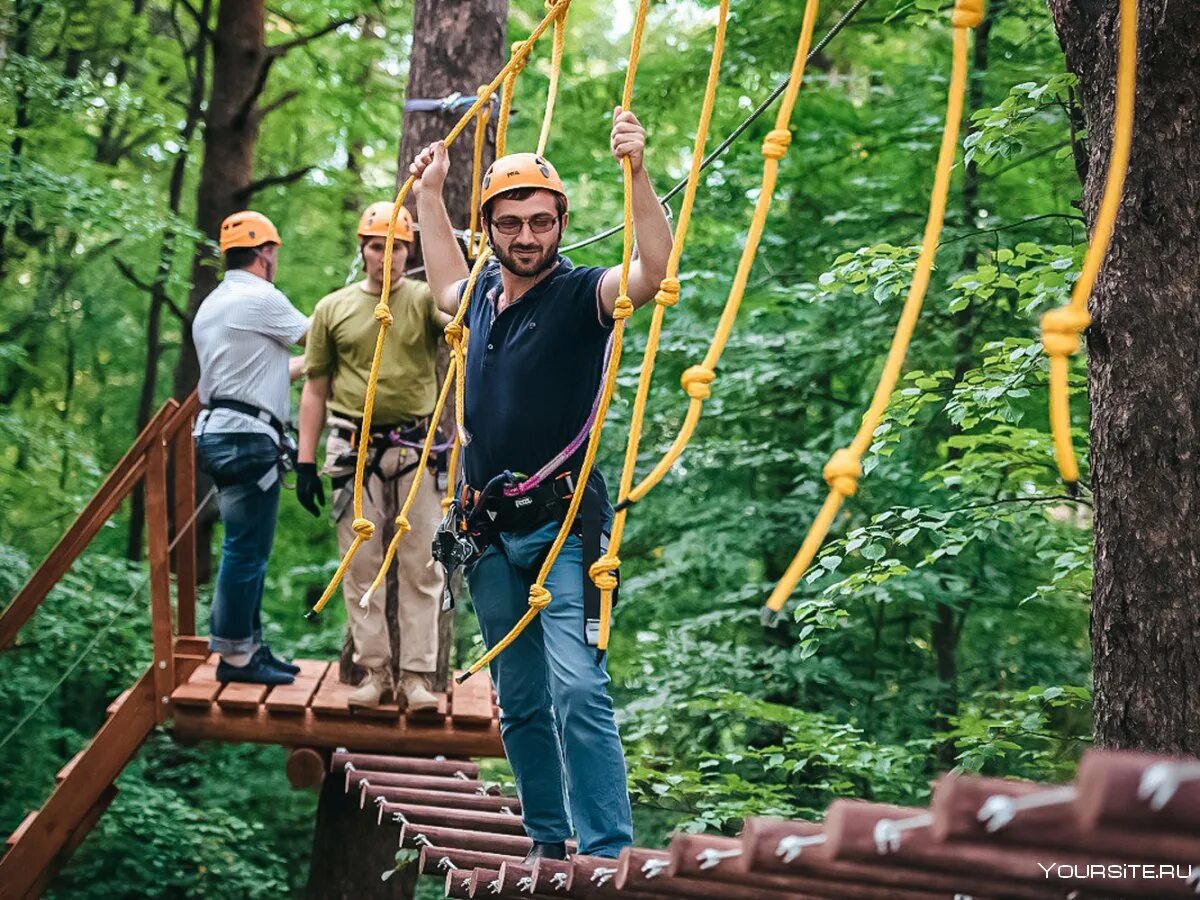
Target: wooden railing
<point>85,787</point>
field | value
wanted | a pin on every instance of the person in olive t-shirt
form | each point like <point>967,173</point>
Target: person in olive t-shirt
<point>338,356</point>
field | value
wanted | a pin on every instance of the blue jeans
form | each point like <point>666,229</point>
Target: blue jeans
<point>236,462</point>
<point>556,717</point>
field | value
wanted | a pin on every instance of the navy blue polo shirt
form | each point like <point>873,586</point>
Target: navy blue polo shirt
<point>533,371</point>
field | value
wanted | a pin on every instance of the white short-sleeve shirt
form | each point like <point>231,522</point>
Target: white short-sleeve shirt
<point>242,333</point>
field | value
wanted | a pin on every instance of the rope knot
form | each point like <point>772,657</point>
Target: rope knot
<point>668,292</point>
<point>403,526</point>
<point>623,308</point>
<point>603,570</point>
<point>775,145</point>
<point>842,471</point>
<point>967,13</point>
<point>520,55</point>
<point>364,528</point>
<point>1061,328</point>
<point>447,502</point>
<point>383,315</point>
<point>539,597</point>
<point>696,380</point>
<point>454,334</point>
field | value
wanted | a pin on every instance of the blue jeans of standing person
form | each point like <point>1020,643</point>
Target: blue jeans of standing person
<point>238,463</point>
<point>556,718</point>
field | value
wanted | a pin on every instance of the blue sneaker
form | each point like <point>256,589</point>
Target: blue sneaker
<point>282,664</point>
<point>257,671</point>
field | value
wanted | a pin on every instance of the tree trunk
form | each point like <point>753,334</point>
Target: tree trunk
<point>350,852</point>
<point>1144,378</point>
<point>240,66</point>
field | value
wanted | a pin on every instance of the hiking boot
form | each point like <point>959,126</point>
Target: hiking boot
<point>417,696</point>
<point>544,850</point>
<point>257,671</point>
<point>372,689</point>
<point>282,664</point>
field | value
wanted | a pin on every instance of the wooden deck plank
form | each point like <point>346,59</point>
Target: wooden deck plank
<point>202,688</point>
<point>240,695</point>
<point>471,705</point>
<point>295,697</point>
<point>330,698</point>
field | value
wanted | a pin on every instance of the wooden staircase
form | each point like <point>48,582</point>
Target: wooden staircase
<point>180,683</point>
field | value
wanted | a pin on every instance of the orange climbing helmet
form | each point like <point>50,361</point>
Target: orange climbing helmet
<point>375,218</point>
<point>520,170</point>
<point>247,229</point>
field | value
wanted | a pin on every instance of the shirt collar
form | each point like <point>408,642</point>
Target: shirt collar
<point>241,276</point>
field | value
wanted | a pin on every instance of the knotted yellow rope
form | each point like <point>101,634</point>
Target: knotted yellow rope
<point>603,571</point>
<point>474,236</point>
<point>696,379</point>
<point>539,595</point>
<point>506,96</point>
<point>1061,327</point>
<point>364,528</point>
<point>844,468</point>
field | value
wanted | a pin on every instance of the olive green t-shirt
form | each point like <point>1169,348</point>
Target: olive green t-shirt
<point>341,343</point>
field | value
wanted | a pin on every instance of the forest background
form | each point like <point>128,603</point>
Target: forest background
<point>945,626</point>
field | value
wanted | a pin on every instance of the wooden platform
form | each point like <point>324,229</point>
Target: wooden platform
<point>312,712</point>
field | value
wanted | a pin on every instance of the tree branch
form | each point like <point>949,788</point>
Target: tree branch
<point>152,289</point>
<point>286,97</point>
<point>254,187</point>
<point>201,21</point>
<point>288,46</point>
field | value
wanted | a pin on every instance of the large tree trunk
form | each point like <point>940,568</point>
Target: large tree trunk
<point>240,66</point>
<point>456,47</point>
<point>1144,377</point>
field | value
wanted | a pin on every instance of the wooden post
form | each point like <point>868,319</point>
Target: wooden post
<point>184,458</point>
<point>160,578</point>
<point>306,768</point>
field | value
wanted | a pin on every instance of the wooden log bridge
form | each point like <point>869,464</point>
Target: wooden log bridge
<point>180,684</point>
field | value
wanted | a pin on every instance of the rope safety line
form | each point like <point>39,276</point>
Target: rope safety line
<point>474,235</point>
<point>363,527</point>
<point>697,379</point>
<point>539,596</point>
<point>1061,327</point>
<point>556,57</point>
<point>667,296</point>
<point>844,467</point>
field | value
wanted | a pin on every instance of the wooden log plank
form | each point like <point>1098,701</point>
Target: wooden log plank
<point>469,820</point>
<point>201,688</point>
<point>438,860</point>
<point>158,554</point>
<point>295,697</point>
<point>313,730</point>
<point>368,793</point>
<point>471,704</point>
<point>355,778</point>
<point>305,768</point>
<point>330,698</point>
<point>440,766</point>
<point>112,747</point>
<point>111,493</point>
<point>238,695</point>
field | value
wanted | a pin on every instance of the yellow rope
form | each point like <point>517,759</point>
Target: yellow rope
<point>1061,327</point>
<point>474,242</point>
<point>539,596</point>
<point>696,379</point>
<point>364,528</point>
<point>560,39</point>
<point>667,296</point>
<point>506,97</point>
<point>844,467</point>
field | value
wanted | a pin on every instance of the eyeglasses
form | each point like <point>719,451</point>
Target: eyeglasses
<point>538,224</point>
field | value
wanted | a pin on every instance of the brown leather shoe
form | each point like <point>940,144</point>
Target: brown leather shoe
<point>414,686</point>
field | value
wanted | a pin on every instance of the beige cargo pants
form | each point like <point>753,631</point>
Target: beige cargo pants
<point>414,584</point>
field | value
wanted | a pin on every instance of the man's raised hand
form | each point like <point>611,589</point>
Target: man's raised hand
<point>430,167</point>
<point>628,138</point>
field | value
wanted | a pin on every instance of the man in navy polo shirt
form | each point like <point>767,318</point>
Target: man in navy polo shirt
<point>539,328</point>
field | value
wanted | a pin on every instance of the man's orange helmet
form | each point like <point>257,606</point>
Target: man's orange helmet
<point>247,229</point>
<point>374,222</point>
<point>520,170</point>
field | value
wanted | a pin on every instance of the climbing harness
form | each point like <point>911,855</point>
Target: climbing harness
<point>364,529</point>
<point>288,450</point>
<point>1061,327</point>
<point>539,596</point>
<point>844,467</point>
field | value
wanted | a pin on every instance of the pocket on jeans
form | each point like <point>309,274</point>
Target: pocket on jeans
<point>237,459</point>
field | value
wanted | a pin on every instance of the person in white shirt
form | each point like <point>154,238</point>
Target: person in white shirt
<point>243,332</point>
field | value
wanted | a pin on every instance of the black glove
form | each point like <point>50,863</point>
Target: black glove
<point>310,490</point>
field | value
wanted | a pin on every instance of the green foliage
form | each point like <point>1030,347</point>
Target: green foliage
<point>944,624</point>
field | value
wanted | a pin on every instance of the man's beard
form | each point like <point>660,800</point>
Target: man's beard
<point>527,269</point>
